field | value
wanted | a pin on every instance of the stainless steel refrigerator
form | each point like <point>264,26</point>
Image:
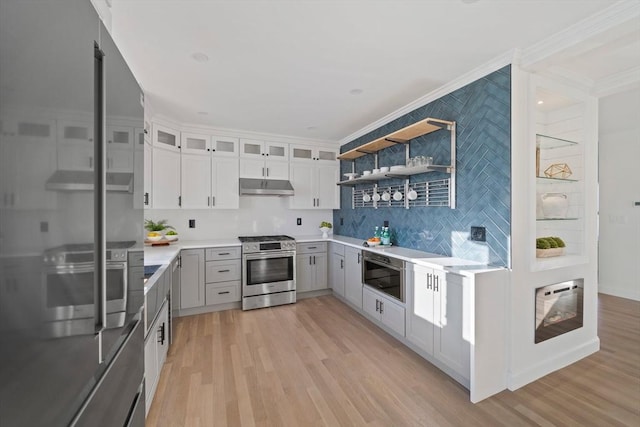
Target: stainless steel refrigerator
<point>71,123</point>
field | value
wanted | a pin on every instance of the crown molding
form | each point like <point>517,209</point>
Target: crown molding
<point>568,78</point>
<point>615,15</point>
<point>625,80</point>
<point>509,57</point>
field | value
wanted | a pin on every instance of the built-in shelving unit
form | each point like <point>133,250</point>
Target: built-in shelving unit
<point>403,136</point>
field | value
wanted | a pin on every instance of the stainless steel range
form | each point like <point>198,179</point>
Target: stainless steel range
<point>268,271</point>
<point>69,288</point>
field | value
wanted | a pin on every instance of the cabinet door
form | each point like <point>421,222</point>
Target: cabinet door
<point>328,193</point>
<point>75,157</point>
<point>370,303</point>
<point>225,175</point>
<point>223,146</point>
<point>392,315</point>
<point>420,309</point>
<point>192,278</point>
<point>193,143</point>
<point>76,132</point>
<point>252,168</point>
<point>353,276</point>
<point>195,181</point>
<point>148,175</point>
<point>302,153</point>
<point>276,169</point>
<point>320,264</point>
<point>165,137</point>
<point>449,344</point>
<point>336,263</point>
<point>166,179</point>
<point>304,273</point>
<point>302,179</point>
<point>150,368</point>
<point>277,151</point>
<point>119,137</point>
<point>251,148</point>
<point>162,337</point>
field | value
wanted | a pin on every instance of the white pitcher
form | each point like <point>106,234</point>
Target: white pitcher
<point>555,205</point>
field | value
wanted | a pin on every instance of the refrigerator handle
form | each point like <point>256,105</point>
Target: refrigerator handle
<point>99,196</point>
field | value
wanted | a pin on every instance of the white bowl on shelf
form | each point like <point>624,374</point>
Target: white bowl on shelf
<point>154,238</point>
<point>384,169</point>
<point>373,243</point>
<point>351,175</point>
<point>376,171</point>
<point>397,167</point>
<point>171,237</point>
<point>365,173</point>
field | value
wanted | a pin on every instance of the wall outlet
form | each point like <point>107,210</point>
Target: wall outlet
<point>192,223</point>
<point>341,221</point>
<point>299,221</point>
<point>478,234</point>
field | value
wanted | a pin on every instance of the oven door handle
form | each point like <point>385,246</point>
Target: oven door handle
<point>382,264</point>
<point>268,255</point>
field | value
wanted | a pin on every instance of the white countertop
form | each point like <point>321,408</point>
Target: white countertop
<point>165,254</point>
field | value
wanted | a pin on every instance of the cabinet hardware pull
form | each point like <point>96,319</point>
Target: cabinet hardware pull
<point>428,280</point>
<point>436,282</point>
<point>359,255</point>
<point>312,247</point>
<point>381,307</point>
<point>222,293</point>
<point>146,198</point>
<point>309,260</point>
<point>263,170</point>
<point>90,162</point>
<point>314,260</point>
<point>341,264</point>
<point>377,306</point>
<point>267,170</point>
<point>208,201</point>
<point>213,201</point>
<point>223,271</point>
<point>224,253</point>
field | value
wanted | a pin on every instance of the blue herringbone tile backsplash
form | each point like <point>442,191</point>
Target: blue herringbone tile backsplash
<point>482,111</point>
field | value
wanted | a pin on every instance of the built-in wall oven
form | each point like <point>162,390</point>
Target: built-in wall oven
<point>384,273</point>
<point>69,288</point>
<point>268,271</point>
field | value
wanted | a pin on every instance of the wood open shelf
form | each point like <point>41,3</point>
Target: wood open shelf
<point>401,136</point>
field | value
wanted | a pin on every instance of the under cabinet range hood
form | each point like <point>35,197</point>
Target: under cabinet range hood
<point>83,181</point>
<point>265,187</point>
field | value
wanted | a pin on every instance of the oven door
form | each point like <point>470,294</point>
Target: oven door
<point>268,272</point>
<point>384,277</point>
<point>69,292</point>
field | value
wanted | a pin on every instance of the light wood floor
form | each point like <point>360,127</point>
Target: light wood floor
<point>319,363</point>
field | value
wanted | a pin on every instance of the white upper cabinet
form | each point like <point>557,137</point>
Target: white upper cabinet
<point>263,159</point>
<point>192,143</point>
<point>120,137</point>
<point>195,181</point>
<point>166,137</point>
<point>315,186</point>
<point>166,179</point>
<point>224,146</point>
<point>308,153</point>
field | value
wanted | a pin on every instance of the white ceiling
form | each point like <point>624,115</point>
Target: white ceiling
<point>291,67</point>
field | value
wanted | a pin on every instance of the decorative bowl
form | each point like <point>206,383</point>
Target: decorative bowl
<point>364,173</point>
<point>171,237</point>
<point>351,175</point>
<point>154,238</point>
<point>384,169</point>
<point>374,243</point>
<point>376,170</point>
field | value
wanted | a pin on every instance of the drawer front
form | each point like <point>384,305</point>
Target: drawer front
<point>222,271</point>
<point>337,248</point>
<point>216,254</point>
<point>135,258</point>
<point>311,248</point>
<point>220,293</point>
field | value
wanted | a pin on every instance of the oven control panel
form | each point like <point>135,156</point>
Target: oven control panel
<point>252,247</point>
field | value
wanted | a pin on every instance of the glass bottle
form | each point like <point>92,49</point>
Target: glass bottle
<point>376,233</point>
<point>386,236</point>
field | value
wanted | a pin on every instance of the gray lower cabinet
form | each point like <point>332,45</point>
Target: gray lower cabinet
<point>353,276</point>
<point>435,316</point>
<point>336,268</point>
<point>223,274</point>
<point>311,266</point>
<point>192,278</point>
<point>383,309</point>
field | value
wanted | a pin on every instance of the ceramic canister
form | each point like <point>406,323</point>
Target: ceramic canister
<point>555,205</point>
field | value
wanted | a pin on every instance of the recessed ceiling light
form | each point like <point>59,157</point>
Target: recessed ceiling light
<point>203,113</point>
<point>311,128</point>
<point>200,57</point>
<point>469,1</point>
<point>540,102</point>
<point>356,91</point>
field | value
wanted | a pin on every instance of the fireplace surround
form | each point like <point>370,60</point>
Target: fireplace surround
<point>558,309</point>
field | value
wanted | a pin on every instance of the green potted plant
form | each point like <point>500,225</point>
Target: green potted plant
<point>325,227</point>
<point>155,229</point>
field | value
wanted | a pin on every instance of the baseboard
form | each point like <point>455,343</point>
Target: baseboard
<point>313,294</point>
<point>553,364</point>
<point>633,294</point>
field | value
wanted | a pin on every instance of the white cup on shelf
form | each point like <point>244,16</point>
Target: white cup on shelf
<point>386,196</point>
<point>366,198</point>
<point>412,194</point>
<point>397,196</point>
<point>376,197</point>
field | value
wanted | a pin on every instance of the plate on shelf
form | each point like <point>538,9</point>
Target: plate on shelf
<point>351,175</point>
<point>397,167</point>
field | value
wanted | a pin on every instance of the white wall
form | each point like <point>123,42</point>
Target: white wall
<point>619,223</point>
<point>257,215</point>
